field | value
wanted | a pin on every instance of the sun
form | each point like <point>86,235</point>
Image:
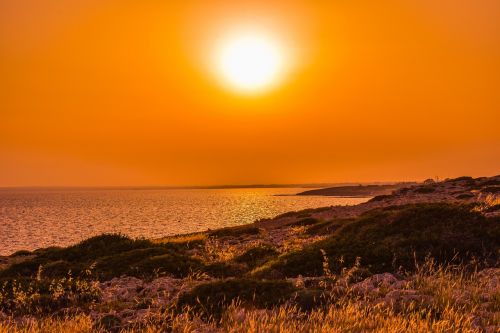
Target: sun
<point>250,62</point>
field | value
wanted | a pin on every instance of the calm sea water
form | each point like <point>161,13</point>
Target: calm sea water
<point>31,219</point>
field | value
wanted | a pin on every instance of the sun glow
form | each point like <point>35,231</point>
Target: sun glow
<point>250,62</point>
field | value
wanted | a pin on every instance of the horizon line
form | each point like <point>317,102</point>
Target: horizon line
<point>180,187</point>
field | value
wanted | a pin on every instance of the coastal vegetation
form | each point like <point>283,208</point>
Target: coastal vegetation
<point>414,260</point>
<point>447,232</point>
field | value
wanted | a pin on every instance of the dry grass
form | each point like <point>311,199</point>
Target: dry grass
<point>78,324</point>
<point>456,298</point>
<point>453,286</point>
<point>349,317</point>
<point>485,202</point>
<point>216,250</point>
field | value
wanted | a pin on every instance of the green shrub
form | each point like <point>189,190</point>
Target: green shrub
<point>303,213</point>
<point>235,231</point>
<point>304,222</point>
<point>326,227</point>
<point>166,264</point>
<point>26,268</point>
<point>108,323</point>
<point>210,299</point>
<point>403,190</point>
<point>425,189</point>
<point>21,253</point>
<point>125,263</point>
<point>493,208</point>
<point>256,256</point>
<point>60,268</point>
<point>389,238</point>
<point>183,246</point>
<point>223,270</point>
<point>43,296</point>
<point>491,189</point>
<point>459,179</point>
<point>96,247</point>
<point>310,299</point>
<point>490,182</point>
<point>465,196</point>
<point>108,256</point>
<point>381,197</point>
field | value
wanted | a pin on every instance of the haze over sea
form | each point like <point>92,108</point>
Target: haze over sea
<point>36,218</point>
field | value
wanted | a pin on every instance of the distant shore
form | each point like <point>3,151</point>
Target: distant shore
<point>193,187</point>
<point>359,190</point>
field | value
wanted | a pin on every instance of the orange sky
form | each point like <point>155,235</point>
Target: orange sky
<point>114,92</point>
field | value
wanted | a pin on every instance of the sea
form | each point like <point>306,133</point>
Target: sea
<point>35,218</point>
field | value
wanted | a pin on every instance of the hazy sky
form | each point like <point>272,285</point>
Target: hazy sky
<point>105,92</point>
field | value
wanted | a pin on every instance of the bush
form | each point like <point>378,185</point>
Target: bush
<point>493,208</point>
<point>326,227</point>
<point>403,190</point>
<point>24,268</point>
<point>304,222</point>
<point>381,197</point>
<point>109,256</point>
<point>60,268</point>
<point>96,247</point>
<point>210,299</point>
<point>256,256</point>
<point>389,238</point>
<point>459,179</point>
<point>303,213</point>
<point>21,253</point>
<point>311,299</point>
<point>465,196</point>
<point>491,189</point>
<point>224,270</point>
<point>235,231</point>
<point>108,323</point>
<point>425,189</point>
<point>143,263</point>
<point>43,296</point>
<point>170,263</point>
<point>490,182</point>
<point>182,247</point>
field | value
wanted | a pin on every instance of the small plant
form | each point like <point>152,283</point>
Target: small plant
<point>349,274</point>
<point>486,202</point>
<point>326,265</point>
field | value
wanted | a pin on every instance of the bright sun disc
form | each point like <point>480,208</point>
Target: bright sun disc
<point>250,63</point>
